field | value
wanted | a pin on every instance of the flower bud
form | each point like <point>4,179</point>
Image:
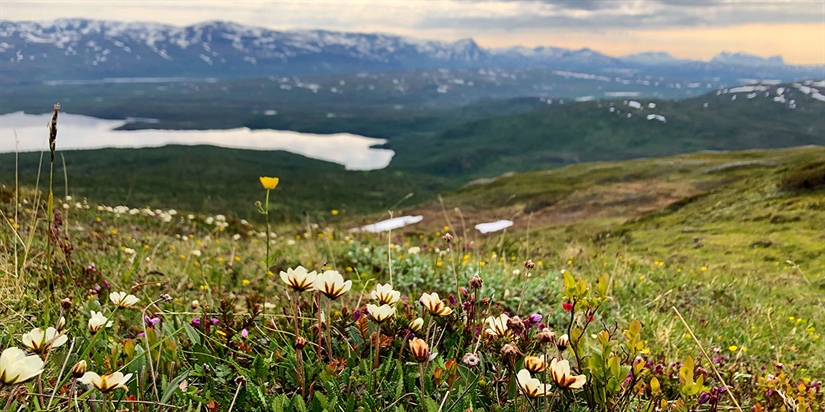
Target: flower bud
<point>562,342</point>
<point>300,343</point>
<point>510,350</point>
<point>447,237</point>
<point>471,360</point>
<point>417,325</point>
<point>420,350</point>
<point>66,303</point>
<point>79,369</point>
<point>61,324</point>
<point>529,264</point>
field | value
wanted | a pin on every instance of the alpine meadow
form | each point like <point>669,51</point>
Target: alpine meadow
<point>370,206</point>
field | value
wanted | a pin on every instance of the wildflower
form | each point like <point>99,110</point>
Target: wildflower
<point>380,313</point>
<point>79,369</point>
<point>510,350</point>
<point>299,279</point>
<point>98,321</point>
<point>332,284</point>
<point>532,387</point>
<point>61,324</point>
<point>334,212</point>
<point>16,367</point>
<point>471,360</point>
<point>414,250</point>
<point>106,383</point>
<point>42,341</point>
<point>562,376</point>
<point>529,264</point>
<point>476,282</point>
<point>417,325</point>
<point>122,300</point>
<point>497,326</point>
<point>433,303</point>
<point>151,322</point>
<point>385,295</point>
<point>562,342</point>
<point>447,237</point>
<point>535,363</point>
<point>196,253</point>
<point>419,350</point>
<point>515,324</point>
<point>269,183</point>
<point>546,336</point>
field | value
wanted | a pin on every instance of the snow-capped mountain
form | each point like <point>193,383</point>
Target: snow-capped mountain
<point>744,59</point>
<point>88,49</point>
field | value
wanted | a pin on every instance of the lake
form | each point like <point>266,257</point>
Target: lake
<point>84,132</point>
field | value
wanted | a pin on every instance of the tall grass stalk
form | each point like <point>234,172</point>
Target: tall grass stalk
<point>50,203</point>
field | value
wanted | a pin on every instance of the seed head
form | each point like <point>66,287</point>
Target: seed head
<point>529,264</point>
<point>447,237</point>
<point>476,282</point>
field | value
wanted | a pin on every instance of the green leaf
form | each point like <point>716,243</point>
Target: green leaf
<point>172,387</point>
<point>192,334</point>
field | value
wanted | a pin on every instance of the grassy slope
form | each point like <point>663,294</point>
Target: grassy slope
<point>721,230</point>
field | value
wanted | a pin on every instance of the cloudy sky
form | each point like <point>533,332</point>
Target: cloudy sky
<point>696,29</point>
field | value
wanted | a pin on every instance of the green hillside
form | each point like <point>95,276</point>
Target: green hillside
<point>559,134</point>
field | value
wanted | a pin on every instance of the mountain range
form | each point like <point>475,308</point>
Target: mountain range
<point>68,49</point>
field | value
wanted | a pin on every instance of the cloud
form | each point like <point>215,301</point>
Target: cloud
<point>632,14</point>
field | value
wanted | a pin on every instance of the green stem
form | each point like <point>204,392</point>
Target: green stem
<point>268,247</point>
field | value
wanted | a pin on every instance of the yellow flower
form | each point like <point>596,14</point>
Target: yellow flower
<point>334,212</point>
<point>245,281</point>
<point>269,183</point>
<point>733,348</point>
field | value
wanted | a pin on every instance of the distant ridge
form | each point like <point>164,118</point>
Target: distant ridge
<point>83,49</point>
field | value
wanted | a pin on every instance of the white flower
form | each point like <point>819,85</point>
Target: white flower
<point>532,387</point>
<point>497,326</point>
<point>414,250</point>
<point>122,300</point>
<point>385,295</point>
<point>128,251</point>
<point>172,212</point>
<point>332,284</point>
<point>236,237</point>
<point>562,376</point>
<point>417,325</point>
<point>196,253</point>
<point>190,217</point>
<point>380,313</point>
<point>42,341</point>
<point>98,321</point>
<point>16,367</point>
<point>299,279</point>
<point>210,220</point>
<point>434,304</point>
<point>106,383</point>
<point>220,218</point>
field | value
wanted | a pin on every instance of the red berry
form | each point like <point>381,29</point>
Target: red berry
<point>567,306</point>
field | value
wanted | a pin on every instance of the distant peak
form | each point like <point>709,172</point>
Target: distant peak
<point>746,59</point>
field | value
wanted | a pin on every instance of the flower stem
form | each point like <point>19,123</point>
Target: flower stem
<point>268,247</point>
<point>421,371</point>
<point>377,347</point>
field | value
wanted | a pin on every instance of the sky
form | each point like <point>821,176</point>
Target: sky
<point>695,29</point>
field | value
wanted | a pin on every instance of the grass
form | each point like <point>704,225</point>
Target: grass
<point>611,277</point>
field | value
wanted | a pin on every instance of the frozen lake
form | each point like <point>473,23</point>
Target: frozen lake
<point>84,132</point>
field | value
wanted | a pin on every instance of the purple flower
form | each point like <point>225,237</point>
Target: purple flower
<point>106,284</point>
<point>769,393</point>
<point>704,398</point>
<point>151,322</point>
<point>534,318</point>
<point>356,314</point>
<point>196,322</point>
<point>244,333</point>
<point>215,321</point>
<point>141,334</point>
<point>452,299</point>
